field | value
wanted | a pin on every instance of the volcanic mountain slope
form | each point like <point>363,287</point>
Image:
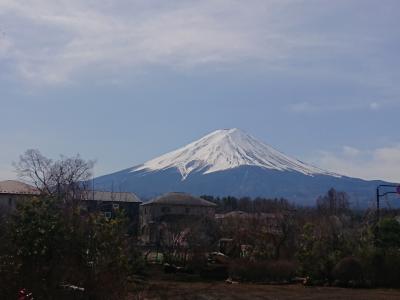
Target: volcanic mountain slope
<point>223,150</point>
<point>232,162</point>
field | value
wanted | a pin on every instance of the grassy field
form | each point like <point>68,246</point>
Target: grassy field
<point>223,291</point>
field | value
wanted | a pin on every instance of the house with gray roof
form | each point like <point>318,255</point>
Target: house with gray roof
<point>109,203</point>
<point>171,207</point>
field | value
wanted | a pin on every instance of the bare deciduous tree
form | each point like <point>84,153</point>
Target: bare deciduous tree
<point>333,203</point>
<point>63,178</point>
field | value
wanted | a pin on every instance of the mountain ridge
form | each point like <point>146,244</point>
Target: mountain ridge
<point>230,162</point>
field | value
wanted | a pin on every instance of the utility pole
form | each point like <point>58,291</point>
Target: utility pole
<point>377,205</point>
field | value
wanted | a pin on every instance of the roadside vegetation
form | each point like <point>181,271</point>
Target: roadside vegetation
<point>329,244</point>
<point>53,249</point>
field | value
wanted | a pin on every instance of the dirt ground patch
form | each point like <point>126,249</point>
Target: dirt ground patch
<point>223,291</point>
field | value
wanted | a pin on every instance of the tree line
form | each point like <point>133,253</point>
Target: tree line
<point>247,204</point>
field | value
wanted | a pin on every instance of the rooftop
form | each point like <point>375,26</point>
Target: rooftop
<point>245,215</point>
<point>180,199</point>
<point>17,188</point>
<point>110,196</point>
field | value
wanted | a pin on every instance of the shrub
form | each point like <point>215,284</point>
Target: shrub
<point>261,271</point>
<point>46,246</point>
<point>348,269</point>
<point>219,272</point>
<point>382,268</point>
<point>245,270</point>
<point>282,270</point>
<point>380,254</point>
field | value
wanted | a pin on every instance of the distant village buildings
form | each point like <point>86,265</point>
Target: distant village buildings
<point>155,221</point>
<point>13,192</point>
<point>169,208</point>
<point>265,222</point>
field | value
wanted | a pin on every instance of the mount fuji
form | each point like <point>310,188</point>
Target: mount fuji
<point>232,162</point>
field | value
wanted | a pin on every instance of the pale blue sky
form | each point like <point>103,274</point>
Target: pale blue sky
<point>124,81</point>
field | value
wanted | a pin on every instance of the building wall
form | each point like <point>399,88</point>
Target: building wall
<point>8,202</point>
<point>151,214</point>
<point>130,208</point>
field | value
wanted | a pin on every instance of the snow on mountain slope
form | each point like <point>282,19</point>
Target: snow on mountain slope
<point>227,149</point>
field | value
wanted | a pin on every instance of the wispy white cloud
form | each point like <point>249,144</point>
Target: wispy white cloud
<point>52,42</point>
<point>351,151</point>
<point>374,105</point>
<point>335,106</point>
<point>68,37</point>
<point>380,163</point>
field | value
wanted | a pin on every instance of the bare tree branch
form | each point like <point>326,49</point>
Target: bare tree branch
<point>64,178</point>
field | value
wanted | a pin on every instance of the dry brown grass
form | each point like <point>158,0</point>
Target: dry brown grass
<point>223,291</point>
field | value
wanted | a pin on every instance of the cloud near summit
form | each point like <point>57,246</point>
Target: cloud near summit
<point>379,163</point>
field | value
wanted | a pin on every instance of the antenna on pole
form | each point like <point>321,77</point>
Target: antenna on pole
<point>112,191</point>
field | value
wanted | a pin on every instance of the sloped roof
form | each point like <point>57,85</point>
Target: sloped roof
<point>180,199</point>
<point>246,215</point>
<point>233,214</point>
<point>17,188</point>
<point>110,196</point>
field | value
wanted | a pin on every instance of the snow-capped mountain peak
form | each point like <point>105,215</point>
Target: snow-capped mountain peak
<point>227,149</point>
